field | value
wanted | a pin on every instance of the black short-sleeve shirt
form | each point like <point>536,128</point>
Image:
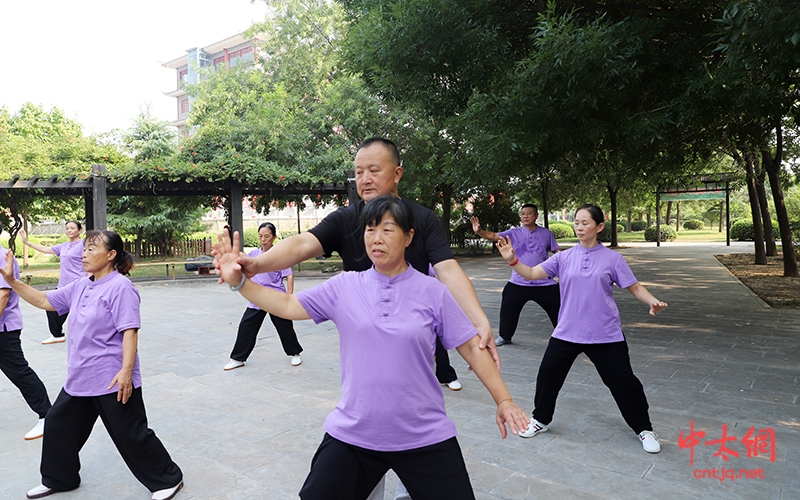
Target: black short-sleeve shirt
<point>341,232</point>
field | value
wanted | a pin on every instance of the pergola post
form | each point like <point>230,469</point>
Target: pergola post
<point>236,218</point>
<point>352,192</point>
<point>98,212</point>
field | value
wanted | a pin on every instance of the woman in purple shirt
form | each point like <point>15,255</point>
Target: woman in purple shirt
<point>589,323</point>
<point>254,316</point>
<point>103,376</point>
<point>391,414</point>
<point>70,269</point>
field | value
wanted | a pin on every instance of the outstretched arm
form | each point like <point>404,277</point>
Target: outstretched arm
<point>458,283</point>
<point>272,301</point>
<point>640,292</point>
<point>527,272</point>
<point>34,297</point>
<point>41,248</point>
<point>476,226</point>
<point>507,411</point>
<point>285,254</point>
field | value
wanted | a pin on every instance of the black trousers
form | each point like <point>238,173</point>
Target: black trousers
<point>613,364</point>
<point>444,372</point>
<point>14,365</point>
<point>69,424</point>
<point>514,299</point>
<point>340,471</point>
<point>55,323</point>
<point>251,322</point>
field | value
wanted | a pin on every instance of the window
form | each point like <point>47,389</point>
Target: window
<point>183,105</point>
<point>183,78</point>
<point>218,60</point>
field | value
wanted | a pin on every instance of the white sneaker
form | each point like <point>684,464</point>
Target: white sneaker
<point>167,493</point>
<point>455,385</point>
<point>54,340</point>
<point>233,364</point>
<point>40,491</point>
<point>649,441</point>
<point>296,360</point>
<point>36,432</point>
<point>534,428</point>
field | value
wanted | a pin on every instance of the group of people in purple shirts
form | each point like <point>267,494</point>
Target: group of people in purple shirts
<point>395,323</point>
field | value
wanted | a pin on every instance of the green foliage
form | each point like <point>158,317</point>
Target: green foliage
<point>694,224</point>
<point>667,233</point>
<point>743,230</point>
<point>18,246</point>
<point>150,138</point>
<point>562,230</point>
<point>605,234</point>
<point>251,238</point>
<point>638,225</point>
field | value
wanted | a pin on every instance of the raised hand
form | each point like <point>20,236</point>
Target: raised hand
<point>505,247</point>
<point>476,224</point>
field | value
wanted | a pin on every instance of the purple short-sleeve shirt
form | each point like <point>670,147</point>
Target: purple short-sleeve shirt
<point>11,318</point>
<point>272,279</point>
<point>70,268</point>
<point>531,248</point>
<point>588,312</point>
<point>391,400</point>
<point>100,311</point>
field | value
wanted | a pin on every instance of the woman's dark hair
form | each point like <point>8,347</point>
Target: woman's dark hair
<point>123,262</point>
<point>378,207</point>
<point>594,211</point>
<point>77,224</point>
<point>270,226</point>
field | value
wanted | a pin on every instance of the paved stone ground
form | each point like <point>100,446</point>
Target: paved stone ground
<point>716,357</point>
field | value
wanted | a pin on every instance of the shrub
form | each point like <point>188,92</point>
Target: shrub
<point>638,225</point>
<point>605,234</point>
<point>742,230</point>
<point>18,249</point>
<point>251,238</point>
<point>667,233</point>
<point>561,230</point>
<point>694,224</point>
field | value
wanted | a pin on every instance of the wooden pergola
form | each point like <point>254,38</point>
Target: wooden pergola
<point>96,189</point>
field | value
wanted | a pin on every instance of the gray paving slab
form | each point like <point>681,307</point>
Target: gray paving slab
<point>717,356</point>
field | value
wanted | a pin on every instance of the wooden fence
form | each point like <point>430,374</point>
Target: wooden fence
<point>185,248</point>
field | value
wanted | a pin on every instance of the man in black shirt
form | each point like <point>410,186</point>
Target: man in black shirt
<point>378,171</point>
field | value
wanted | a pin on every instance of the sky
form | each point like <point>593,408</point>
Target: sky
<point>100,61</point>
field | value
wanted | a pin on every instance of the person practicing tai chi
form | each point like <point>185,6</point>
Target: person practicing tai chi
<point>391,414</point>
<point>70,269</point>
<point>589,323</point>
<point>531,244</point>
<point>12,360</point>
<point>254,316</point>
<point>103,377</point>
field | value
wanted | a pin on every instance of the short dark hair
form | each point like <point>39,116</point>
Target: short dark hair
<point>270,226</point>
<point>381,205</point>
<point>123,262</point>
<point>77,224</point>
<point>530,205</point>
<point>391,146</point>
<point>594,211</point>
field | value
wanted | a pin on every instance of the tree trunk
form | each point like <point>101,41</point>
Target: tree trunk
<point>612,194</point>
<point>677,216</point>
<point>755,209</point>
<point>447,208</point>
<point>772,166</point>
<point>766,220</point>
<point>545,202</point>
<point>137,245</point>
<point>669,210</point>
<point>630,220</point>
<point>721,214</point>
